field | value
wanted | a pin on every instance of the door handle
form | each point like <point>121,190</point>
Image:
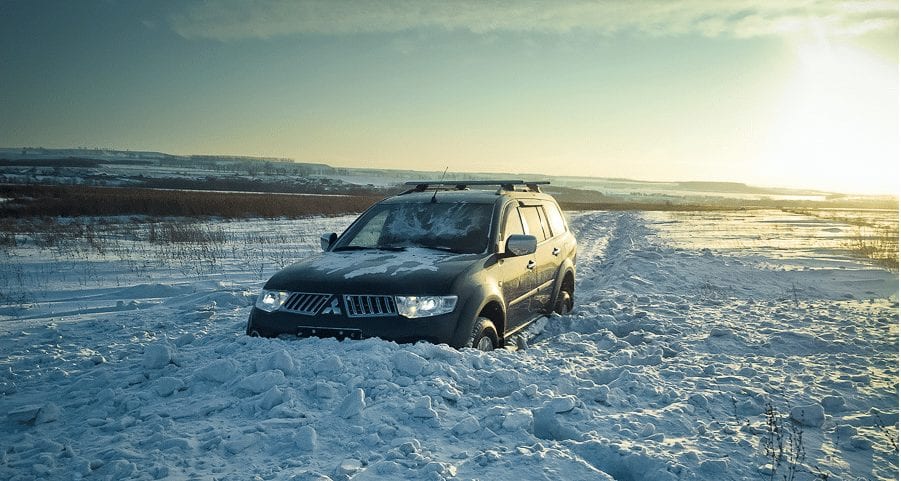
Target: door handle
<point>556,251</point>
<point>530,265</point>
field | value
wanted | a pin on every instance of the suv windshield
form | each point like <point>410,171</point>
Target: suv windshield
<point>456,227</point>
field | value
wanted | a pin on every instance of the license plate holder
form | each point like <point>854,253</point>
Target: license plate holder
<point>336,332</point>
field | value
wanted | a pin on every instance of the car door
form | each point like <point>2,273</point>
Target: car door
<point>546,257</point>
<point>517,273</point>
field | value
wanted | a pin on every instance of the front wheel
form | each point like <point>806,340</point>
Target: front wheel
<point>484,335</point>
<point>564,304</point>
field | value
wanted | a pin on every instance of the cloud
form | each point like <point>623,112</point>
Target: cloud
<point>241,19</point>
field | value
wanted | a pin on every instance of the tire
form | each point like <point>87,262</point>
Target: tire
<point>484,335</point>
<point>251,331</point>
<point>564,303</point>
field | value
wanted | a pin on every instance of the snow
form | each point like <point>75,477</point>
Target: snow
<point>352,406</point>
<point>688,356</point>
<point>812,415</point>
<point>157,356</point>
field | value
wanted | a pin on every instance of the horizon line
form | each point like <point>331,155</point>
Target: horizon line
<point>795,190</point>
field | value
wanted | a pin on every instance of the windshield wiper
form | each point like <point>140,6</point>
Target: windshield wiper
<point>369,248</point>
<point>445,249</point>
<point>391,248</point>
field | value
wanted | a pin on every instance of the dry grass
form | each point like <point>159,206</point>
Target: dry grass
<point>877,241</point>
<point>100,251</point>
<point>173,232</point>
<point>77,201</point>
<point>879,244</point>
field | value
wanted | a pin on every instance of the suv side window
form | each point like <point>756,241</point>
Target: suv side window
<point>555,219</point>
<point>534,224</point>
<point>512,223</point>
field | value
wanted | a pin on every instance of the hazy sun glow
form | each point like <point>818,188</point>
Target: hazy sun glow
<point>834,129</point>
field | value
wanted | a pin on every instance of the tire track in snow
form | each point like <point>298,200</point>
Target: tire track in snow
<point>593,231</point>
<point>616,251</point>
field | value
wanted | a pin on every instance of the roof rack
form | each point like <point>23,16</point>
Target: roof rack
<point>505,185</point>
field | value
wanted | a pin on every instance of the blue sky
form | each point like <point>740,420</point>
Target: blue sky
<point>801,94</point>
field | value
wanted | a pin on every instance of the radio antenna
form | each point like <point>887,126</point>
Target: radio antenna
<point>435,195</point>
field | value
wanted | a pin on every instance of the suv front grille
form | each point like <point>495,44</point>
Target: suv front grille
<point>305,303</point>
<point>369,306</point>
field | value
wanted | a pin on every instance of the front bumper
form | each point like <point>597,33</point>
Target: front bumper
<point>436,329</point>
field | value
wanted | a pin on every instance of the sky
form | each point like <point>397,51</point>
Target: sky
<point>772,93</point>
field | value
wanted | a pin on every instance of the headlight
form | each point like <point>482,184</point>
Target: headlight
<point>424,306</point>
<point>271,300</point>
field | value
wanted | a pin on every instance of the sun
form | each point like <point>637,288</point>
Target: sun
<point>837,124</point>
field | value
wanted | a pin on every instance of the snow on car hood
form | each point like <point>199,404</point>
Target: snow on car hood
<point>373,271</point>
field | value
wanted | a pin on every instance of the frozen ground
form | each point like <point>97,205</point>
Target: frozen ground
<point>701,348</point>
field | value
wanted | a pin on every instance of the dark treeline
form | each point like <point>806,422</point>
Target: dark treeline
<point>73,201</point>
<point>67,162</point>
<point>290,185</point>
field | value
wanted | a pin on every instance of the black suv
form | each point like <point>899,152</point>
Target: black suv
<point>439,262</point>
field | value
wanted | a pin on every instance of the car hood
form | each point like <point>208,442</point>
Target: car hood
<point>409,272</point>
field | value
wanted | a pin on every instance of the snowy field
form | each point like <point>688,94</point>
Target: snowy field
<point>726,346</point>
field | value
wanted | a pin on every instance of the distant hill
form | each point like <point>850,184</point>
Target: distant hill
<point>112,167</point>
<point>39,156</point>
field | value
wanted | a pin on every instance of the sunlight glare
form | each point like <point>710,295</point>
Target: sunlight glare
<point>836,128</point>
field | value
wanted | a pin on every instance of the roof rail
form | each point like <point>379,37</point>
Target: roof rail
<point>505,185</point>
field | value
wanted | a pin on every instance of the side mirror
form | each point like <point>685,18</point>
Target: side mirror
<point>326,240</point>
<point>521,245</point>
